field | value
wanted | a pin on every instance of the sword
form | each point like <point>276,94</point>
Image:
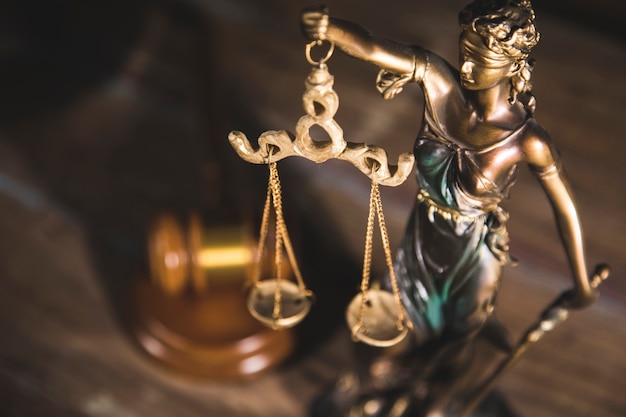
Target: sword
<point>551,317</point>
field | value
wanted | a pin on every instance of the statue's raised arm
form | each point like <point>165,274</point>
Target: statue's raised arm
<point>359,43</point>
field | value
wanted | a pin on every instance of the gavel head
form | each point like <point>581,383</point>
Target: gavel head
<point>185,256</point>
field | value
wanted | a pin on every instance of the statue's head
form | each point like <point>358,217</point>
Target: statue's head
<point>507,27</point>
<point>505,30</point>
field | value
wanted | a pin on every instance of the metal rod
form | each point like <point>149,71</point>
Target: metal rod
<point>551,317</point>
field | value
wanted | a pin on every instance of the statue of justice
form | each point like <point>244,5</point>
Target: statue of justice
<point>477,130</point>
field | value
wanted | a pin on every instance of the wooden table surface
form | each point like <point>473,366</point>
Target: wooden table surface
<point>81,176</point>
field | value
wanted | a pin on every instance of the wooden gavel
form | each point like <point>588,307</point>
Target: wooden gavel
<point>185,256</point>
<point>191,312</point>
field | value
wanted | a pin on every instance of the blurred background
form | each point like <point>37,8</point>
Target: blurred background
<point>113,112</point>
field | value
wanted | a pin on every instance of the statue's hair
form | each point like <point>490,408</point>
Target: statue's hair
<point>507,26</point>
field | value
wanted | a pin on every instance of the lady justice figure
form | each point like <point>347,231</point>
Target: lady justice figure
<point>477,129</point>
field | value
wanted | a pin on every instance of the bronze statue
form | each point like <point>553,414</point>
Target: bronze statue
<point>478,128</point>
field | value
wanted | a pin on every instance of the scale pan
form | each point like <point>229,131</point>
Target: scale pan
<point>294,303</point>
<point>380,319</point>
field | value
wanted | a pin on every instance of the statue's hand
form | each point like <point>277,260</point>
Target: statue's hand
<point>315,23</point>
<point>576,300</point>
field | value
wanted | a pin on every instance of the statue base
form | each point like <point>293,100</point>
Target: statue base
<point>211,335</point>
<point>494,405</point>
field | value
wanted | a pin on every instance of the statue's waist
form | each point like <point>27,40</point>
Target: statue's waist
<point>468,208</point>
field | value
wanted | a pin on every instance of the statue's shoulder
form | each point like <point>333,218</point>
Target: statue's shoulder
<point>439,79</point>
<point>537,146</point>
<point>436,67</point>
<point>534,133</point>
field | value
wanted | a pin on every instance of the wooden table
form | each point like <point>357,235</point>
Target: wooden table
<point>80,180</point>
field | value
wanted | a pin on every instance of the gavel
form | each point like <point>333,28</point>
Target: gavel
<point>186,256</point>
<point>191,312</point>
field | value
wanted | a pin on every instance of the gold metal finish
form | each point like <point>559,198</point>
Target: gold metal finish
<point>277,303</point>
<point>290,303</point>
<point>309,58</point>
<point>321,103</point>
<point>373,318</point>
<point>377,317</point>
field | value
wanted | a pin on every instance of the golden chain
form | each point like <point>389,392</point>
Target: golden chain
<point>376,209</point>
<point>274,195</point>
<point>392,274</point>
<point>262,237</point>
<point>282,227</point>
<point>274,185</point>
<point>367,256</point>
